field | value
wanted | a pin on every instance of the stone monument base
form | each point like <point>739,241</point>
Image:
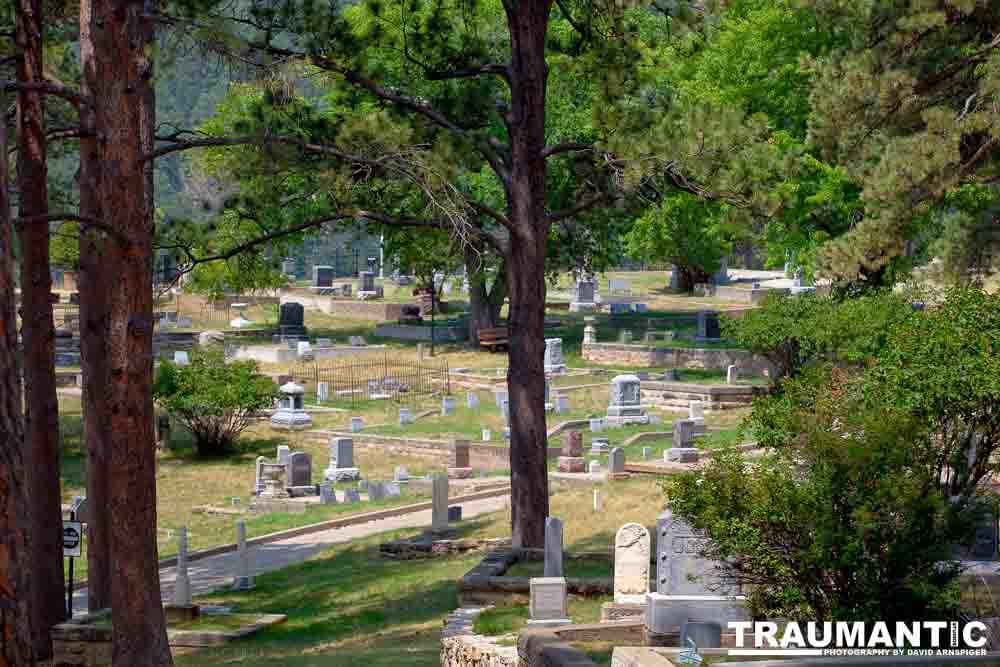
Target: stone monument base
<point>622,611</point>
<point>558,368</point>
<point>550,623</point>
<point>624,420</point>
<point>582,307</point>
<point>291,420</point>
<point>683,454</point>
<point>181,613</point>
<point>342,474</point>
<point>571,464</point>
<point>459,473</point>
<point>665,614</point>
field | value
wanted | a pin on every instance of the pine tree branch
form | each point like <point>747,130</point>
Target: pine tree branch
<point>178,144</point>
<point>71,95</point>
<point>566,147</point>
<point>585,204</point>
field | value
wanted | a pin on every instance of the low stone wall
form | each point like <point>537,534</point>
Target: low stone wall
<point>421,333</point>
<point>461,647</point>
<point>715,397</point>
<point>747,295</point>
<point>485,584</point>
<point>485,457</point>
<point>646,356</point>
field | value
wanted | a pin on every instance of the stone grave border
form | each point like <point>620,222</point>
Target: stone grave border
<point>424,548</point>
<point>485,584</point>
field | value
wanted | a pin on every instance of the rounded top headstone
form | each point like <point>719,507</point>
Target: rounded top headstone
<point>625,379</point>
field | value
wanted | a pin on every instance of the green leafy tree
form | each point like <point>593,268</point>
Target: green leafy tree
<point>792,332</point>
<point>847,521</point>
<point>685,230</point>
<point>213,399</point>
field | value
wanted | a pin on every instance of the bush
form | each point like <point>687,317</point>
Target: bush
<point>213,399</point>
<point>847,521</point>
<point>792,332</point>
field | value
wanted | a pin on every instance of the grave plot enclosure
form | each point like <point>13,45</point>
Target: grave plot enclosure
<point>376,377</point>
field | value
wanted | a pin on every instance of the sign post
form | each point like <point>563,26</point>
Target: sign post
<point>72,547</point>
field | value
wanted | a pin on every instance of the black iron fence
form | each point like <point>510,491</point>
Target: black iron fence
<point>376,377</point>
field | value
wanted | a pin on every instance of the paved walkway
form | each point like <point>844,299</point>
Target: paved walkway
<point>214,572</point>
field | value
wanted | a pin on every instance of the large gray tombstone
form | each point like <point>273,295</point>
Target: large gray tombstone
<point>553,547</point>
<point>554,361</point>
<point>616,461</point>
<point>583,296</point>
<point>300,469</point>
<point>688,585</point>
<point>341,466</point>
<point>367,281</point>
<point>625,406</point>
<point>683,450</point>
<point>439,504</point>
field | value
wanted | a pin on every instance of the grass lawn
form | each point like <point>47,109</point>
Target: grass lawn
<point>347,606</point>
<point>510,619</point>
<point>575,568</point>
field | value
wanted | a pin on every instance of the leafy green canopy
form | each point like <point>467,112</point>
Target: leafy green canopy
<point>216,401</point>
<point>793,331</point>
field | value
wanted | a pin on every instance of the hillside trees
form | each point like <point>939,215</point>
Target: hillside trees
<point>922,123</point>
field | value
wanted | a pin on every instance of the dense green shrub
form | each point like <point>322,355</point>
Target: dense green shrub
<point>792,332</point>
<point>213,399</point>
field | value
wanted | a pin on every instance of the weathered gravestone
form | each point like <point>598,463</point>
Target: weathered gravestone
<point>291,319</point>
<point>322,276</point>
<point>405,416</point>
<point>341,466</point>
<point>322,391</point>
<point>600,446</point>
<point>625,406</point>
<point>461,467</point>
<point>682,450</point>
<point>689,586</point>
<point>352,496</point>
<point>553,547</point>
<point>327,495</point>
<point>284,452</point>
<point>732,374</point>
<point>572,453</point>
<point>554,361</point>
<point>583,296</point>
<point>631,564</point>
<point>439,504</point>
<point>616,464</point>
<point>548,601</point>
<point>472,400</point>
<point>447,405</point>
<point>300,467</point>
<point>392,490</point>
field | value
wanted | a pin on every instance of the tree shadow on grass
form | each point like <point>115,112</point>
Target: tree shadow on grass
<point>181,449</point>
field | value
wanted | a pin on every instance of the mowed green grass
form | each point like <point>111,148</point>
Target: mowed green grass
<point>347,606</point>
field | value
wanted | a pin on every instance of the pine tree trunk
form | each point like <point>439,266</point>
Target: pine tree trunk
<point>15,559</point>
<point>123,51</point>
<point>94,286</point>
<point>526,202</point>
<point>48,605</point>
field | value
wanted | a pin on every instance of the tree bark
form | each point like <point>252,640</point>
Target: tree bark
<point>123,51</point>
<point>94,286</point>
<point>38,332</point>
<point>15,592</point>
<point>526,202</point>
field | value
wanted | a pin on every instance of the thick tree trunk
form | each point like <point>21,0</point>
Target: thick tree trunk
<point>15,559</point>
<point>484,303</point>
<point>95,286</point>
<point>526,202</point>
<point>123,48</point>
<point>38,331</point>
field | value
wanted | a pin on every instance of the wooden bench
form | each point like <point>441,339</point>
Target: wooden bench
<point>494,338</point>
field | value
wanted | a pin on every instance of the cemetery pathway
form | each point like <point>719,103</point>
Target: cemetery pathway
<point>214,572</point>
